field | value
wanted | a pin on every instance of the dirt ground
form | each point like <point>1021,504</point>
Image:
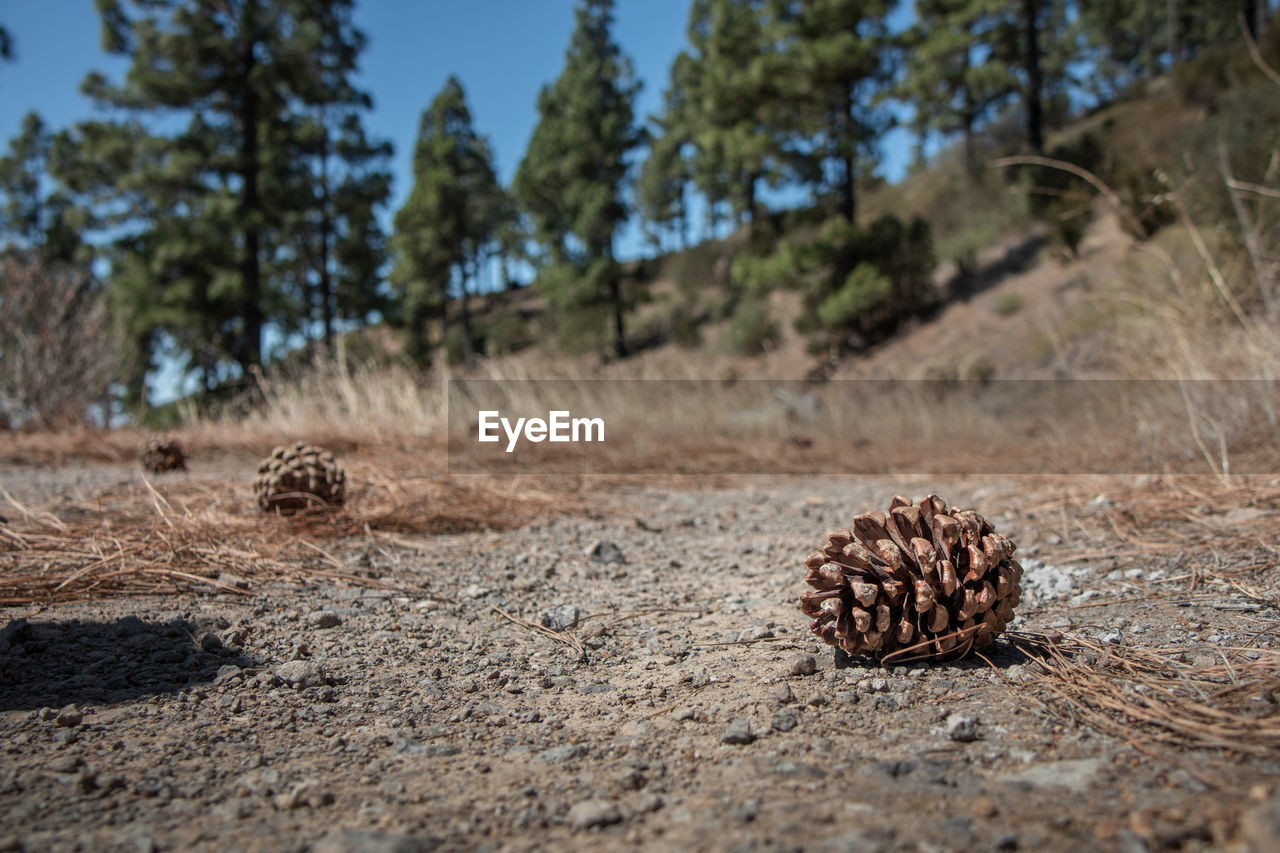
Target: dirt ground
<point>677,699</point>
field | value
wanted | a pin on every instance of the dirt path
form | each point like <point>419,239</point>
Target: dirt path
<point>698,712</point>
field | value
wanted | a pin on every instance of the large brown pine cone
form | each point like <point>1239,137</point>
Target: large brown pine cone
<point>918,582</point>
<point>298,476</point>
<point>164,456</point>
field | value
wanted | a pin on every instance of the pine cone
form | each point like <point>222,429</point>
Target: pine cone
<point>916,583</point>
<point>297,476</point>
<point>164,456</point>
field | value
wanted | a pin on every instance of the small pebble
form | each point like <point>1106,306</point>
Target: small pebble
<point>69,717</point>
<point>802,665</point>
<point>590,813</point>
<point>324,619</point>
<point>604,551</point>
<point>739,732</point>
<point>962,728</point>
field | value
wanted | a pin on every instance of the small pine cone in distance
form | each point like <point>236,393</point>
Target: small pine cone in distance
<point>916,582</point>
<point>297,476</point>
<point>164,455</point>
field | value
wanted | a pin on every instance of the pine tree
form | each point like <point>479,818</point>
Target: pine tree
<point>35,217</point>
<point>570,183</point>
<point>734,104</point>
<point>451,220</point>
<point>955,77</point>
<point>343,247</point>
<point>1120,42</point>
<point>213,213</point>
<point>832,64</point>
<point>664,175</point>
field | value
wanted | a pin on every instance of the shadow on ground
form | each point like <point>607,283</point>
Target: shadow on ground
<point>1000,655</point>
<point>47,663</point>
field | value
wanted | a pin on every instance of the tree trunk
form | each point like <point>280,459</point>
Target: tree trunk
<point>250,203</point>
<point>848,163</point>
<point>1148,45</point>
<point>468,348</point>
<point>970,145</point>
<point>967,118</point>
<point>619,330</point>
<point>1171,12</point>
<point>326,233</point>
<point>1252,12</point>
<point>1035,75</point>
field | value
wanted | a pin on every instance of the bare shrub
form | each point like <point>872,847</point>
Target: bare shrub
<point>59,353</point>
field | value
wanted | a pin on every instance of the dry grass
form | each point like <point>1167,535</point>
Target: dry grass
<point>1152,695</point>
<point>1217,537</point>
<point>377,401</point>
<point>208,535</point>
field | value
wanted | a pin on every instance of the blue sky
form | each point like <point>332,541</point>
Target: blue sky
<point>503,51</point>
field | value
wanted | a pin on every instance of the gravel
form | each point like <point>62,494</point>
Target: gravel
<point>703,715</point>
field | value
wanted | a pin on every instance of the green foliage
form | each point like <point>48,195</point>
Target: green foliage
<point>958,67</point>
<point>451,219</point>
<point>865,290</point>
<point>256,205</point>
<point>686,328</point>
<point>571,180</point>
<point>507,334</point>
<point>752,330</point>
<point>699,266</point>
<point>34,216</point>
<point>1007,304</point>
<point>834,62</point>
<point>789,266</point>
<point>853,279</point>
<point>1060,198</point>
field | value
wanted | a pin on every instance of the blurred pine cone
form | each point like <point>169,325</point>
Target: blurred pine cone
<point>920,581</point>
<point>164,456</point>
<point>297,476</point>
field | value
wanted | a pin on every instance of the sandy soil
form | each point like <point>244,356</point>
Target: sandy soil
<point>681,702</point>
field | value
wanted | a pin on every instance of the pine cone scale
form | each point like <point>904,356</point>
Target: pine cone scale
<point>297,477</point>
<point>914,579</point>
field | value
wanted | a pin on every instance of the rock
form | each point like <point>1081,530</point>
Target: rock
<point>371,841</point>
<point>783,694</point>
<point>560,754</point>
<point>559,618</point>
<point>69,717</point>
<point>310,794</point>
<point>233,580</point>
<point>984,807</point>
<point>604,551</point>
<point>589,813</point>
<point>785,720</point>
<point>1112,637</point>
<point>1075,774</point>
<point>739,732</point>
<point>631,780</point>
<point>962,728</point>
<point>802,665</point>
<point>301,673</point>
<point>324,619</point>
<point>227,673</point>
<point>1261,826</point>
<point>870,839</point>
